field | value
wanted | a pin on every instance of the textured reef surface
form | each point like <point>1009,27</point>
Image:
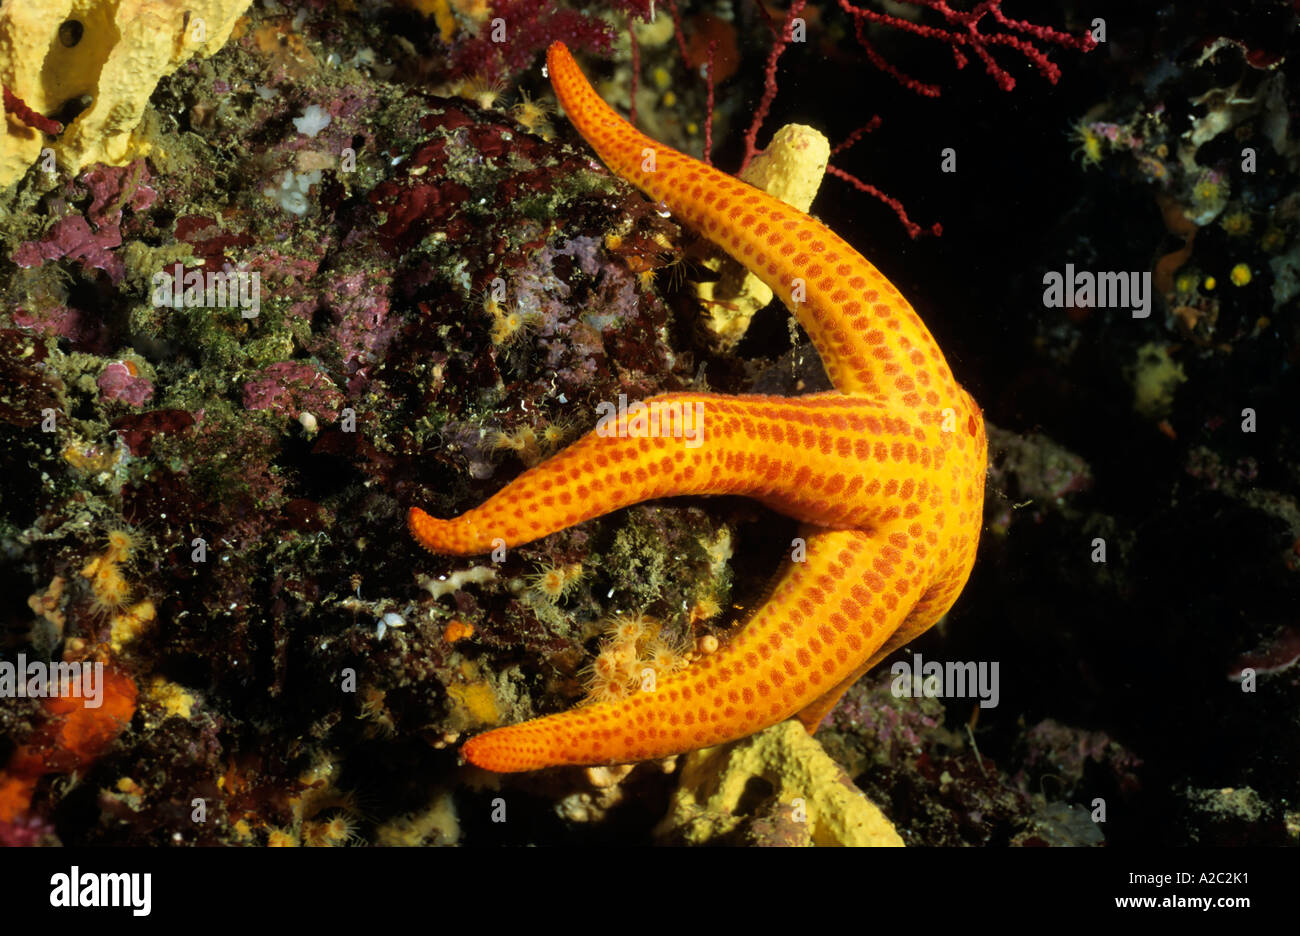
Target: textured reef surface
<point>428,284</point>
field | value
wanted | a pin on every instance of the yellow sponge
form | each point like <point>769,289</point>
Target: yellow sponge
<point>791,169</point>
<point>111,51</point>
<point>817,800</point>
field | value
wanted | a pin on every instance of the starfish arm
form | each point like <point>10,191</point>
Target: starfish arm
<point>826,616</point>
<point>888,472</point>
<point>870,339</point>
<point>934,604</point>
<point>812,458</point>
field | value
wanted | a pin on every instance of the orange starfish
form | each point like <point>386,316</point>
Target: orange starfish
<point>886,472</point>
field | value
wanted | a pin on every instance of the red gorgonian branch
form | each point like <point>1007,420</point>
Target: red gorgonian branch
<point>913,229</point>
<point>16,106</point>
<point>961,31</point>
<point>708,110</point>
<point>780,41</point>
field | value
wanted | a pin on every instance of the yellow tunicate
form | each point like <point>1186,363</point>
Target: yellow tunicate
<point>123,49</point>
<point>670,99</point>
<point>1240,275</point>
<point>655,33</point>
<point>1156,378</point>
<point>168,699</point>
<point>661,78</point>
<point>1210,282</point>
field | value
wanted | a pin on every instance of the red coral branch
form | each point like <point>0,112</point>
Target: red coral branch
<point>913,229</point>
<point>961,31</point>
<point>708,110</point>
<point>677,28</point>
<point>769,80</point>
<point>857,134</point>
<point>16,106</point>
<point>636,70</point>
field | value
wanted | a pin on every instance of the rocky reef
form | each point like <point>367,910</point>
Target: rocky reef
<point>274,272</point>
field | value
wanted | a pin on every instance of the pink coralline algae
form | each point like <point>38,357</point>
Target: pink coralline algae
<point>84,331</point>
<point>25,832</point>
<point>1065,752</point>
<point>119,382</point>
<point>115,187</point>
<point>290,388</point>
<point>563,334</point>
<point>138,430</point>
<point>874,710</point>
<point>72,237</point>
<point>363,326</point>
<point>92,238</point>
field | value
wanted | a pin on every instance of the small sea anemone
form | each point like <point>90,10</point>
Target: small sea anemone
<point>280,838</point>
<point>1273,239</point>
<point>121,544</point>
<point>508,325</point>
<point>554,582</point>
<point>664,658</point>
<point>532,114</point>
<point>110,592</point>
<point>705,608</point>
<point>1187,281</point>
<point>624,655</point>
<point>554,433</point>
<point>606,666</point>
<point>338,830</point>
<point>1212,188</point>
<point>522,441</point>
<point>483,91</point>
<point>617,692</point>
<point>1235,223</point>
<point>1092,146</point>
<point>630,629</point>
<point>604,678</point>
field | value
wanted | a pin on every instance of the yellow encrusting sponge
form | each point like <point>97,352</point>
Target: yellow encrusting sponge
<point>112,52</point>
